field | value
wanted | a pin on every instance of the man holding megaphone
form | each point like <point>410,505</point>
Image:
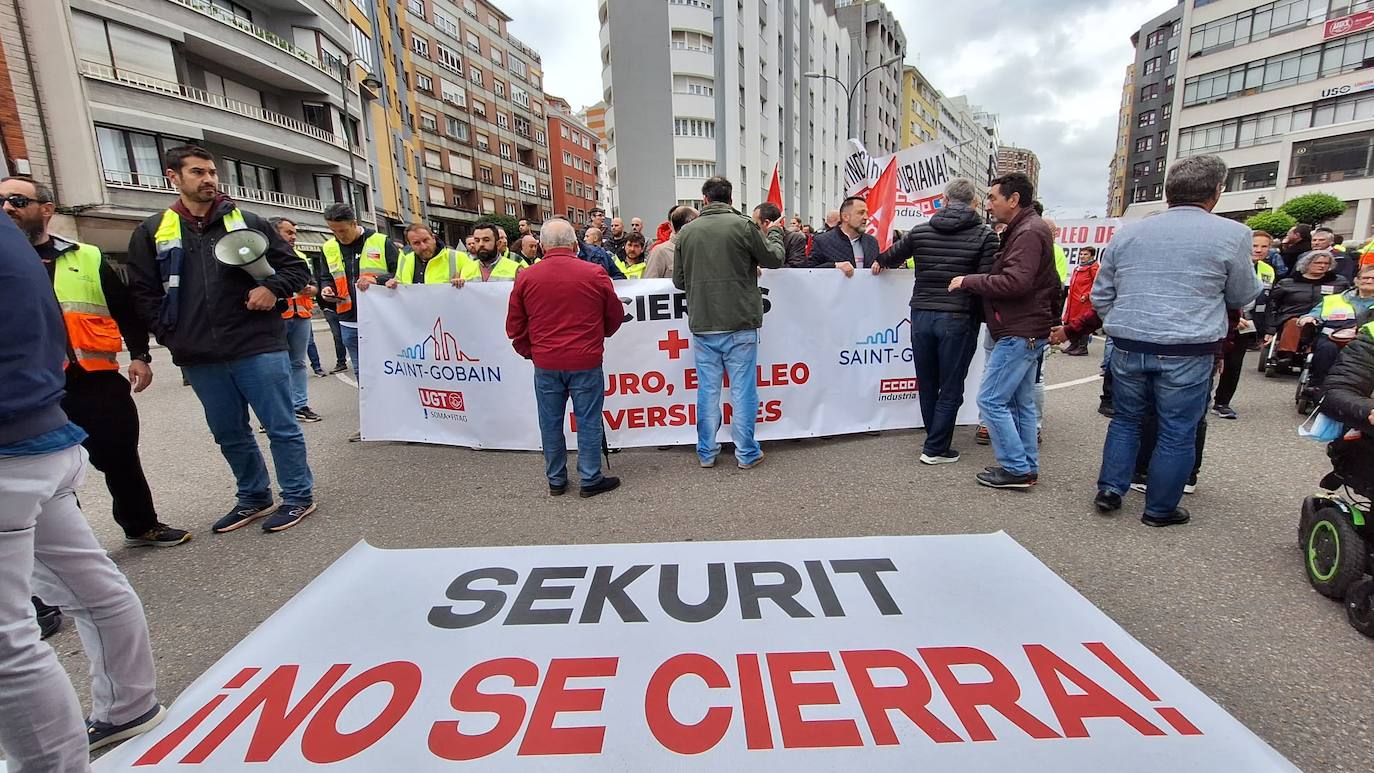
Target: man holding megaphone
<point>210,281</point>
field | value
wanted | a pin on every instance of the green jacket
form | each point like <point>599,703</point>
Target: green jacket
<point>718,257</point>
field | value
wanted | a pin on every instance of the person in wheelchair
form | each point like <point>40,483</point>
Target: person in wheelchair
<point>1336,319</point>
<point>1350,400</point>
<point>1294,296</point>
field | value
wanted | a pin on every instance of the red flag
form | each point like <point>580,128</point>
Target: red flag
<point>775,190</point>
<point>882,205</point>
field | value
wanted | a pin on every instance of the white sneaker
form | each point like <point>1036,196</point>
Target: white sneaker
<point>949,457</point>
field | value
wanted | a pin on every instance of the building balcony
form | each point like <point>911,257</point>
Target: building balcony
<point>236,124</point>
<point>228,18</point>
<point>146,192</point>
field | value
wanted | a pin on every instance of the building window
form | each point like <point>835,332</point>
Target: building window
<point>488,204</point>
<point>424,83</point>
<point>1149,92</point>
<point>419,45</point>
<point>483,142</point>
<point>503,120</point>
<point>123,48</point>
<point>416,7</point>
<point>694,127</point>
<point>437,195</point>
<point>522,126</point>
<point>498,87</point>
<point>474,42</point>
<point>1167,111</point>
<point>1146,118</point>
<point>446,24</point>
<point>452,93</point>
<point>361,5</point>
<point>450,59</point>
<point>1154,38</point>
<point>1144,143</point>
<point>456,129</point>
<point>134,158</point>
<point>1164,139</point>
<point>1247,178</point>
<point>510,208</point>
<point>505,151</point>
<point>1330,159</point>
<point>507,180</point>
<point>1140,169</point>
<point>1257,24</point>
<point>460,165</point>
<point>1159,166</point>
<point>517,66</point>
<point>433,159</point>
<point>1169,83</point>
<point>1300,66</point>
<point>519,96</point>
<point>429,123</point>
<point>696,169</point>
<point>693,84</point>
<point>362,46</point>
<point>688,40</point>
<point>475,75</point>
<point>539,137</point>
<point>496,58</point>
<point>568,184</point>
<point>479,108</point>
<point>1173,55</point>
<point>486,175</point>
<point>1151,66</point>
<point>1157,192</point>
<point>253,176</point>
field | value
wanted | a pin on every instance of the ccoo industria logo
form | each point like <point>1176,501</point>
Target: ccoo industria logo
<point>438,357</point>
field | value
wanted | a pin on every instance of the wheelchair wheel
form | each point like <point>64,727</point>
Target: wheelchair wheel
<point>1359,606</point>
<point>1305,403</point>
<point>1336,555</point>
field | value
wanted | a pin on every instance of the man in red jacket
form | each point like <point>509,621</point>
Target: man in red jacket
<point>561,311</point>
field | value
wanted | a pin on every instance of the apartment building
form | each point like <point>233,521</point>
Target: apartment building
<point>920,108</point>
<point>1282,91</point>
<point>573,147</point>
<point>103,88</point>
<point>875,37</point>
<point>737,106</point>
<point>479,114</point>
<point>1157,66</point>
<point>594,117</point>
<point>1117,194</point>
<point>1012,159</point>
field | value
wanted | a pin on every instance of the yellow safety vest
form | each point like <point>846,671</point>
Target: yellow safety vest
<point>1266,273</point>
<point>631,271</point>
<point>371,262</point>
<point>91,331</point>
<point>1061,264</point>
<point>439,270</point>
<point>1335,308</point>
<point>298,305</point>
<point>504,270</point>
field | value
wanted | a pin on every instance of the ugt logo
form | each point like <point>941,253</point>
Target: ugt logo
<point>439,346</point>
<point>441,400</point>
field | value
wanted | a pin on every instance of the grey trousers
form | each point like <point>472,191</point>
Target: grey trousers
<point>47,549</point>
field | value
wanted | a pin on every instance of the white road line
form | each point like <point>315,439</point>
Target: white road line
<point>1075,382</point>
<point>347,380</point>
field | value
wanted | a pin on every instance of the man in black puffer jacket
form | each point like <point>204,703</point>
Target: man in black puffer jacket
<point>944,324</point>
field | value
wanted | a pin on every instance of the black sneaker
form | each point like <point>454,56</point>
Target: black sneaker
<point>160,536</point>
<point>1138,482</point>
<point>308,416</point>
<point>241,516</point>
<point>558,491</point>
<point>49,619</point>
<point>607,483</point>
<point>1178,517</point>
<point>1224,411</point>
<point>948,457</point>
<point>102,734</point>
<point>1000,478</point>
<point>287,516</point>
<point>1107,502</point>
<point>320,372</point>
<point>340,368</point>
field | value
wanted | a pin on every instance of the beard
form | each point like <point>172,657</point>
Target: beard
<point>32,228</point>
<point>204,193</point>
<point>486,256</point>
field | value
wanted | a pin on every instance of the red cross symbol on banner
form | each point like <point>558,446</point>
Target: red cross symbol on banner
<point>673,345</point>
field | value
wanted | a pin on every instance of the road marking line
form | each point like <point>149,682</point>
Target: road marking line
<point>1075,382</point>
<point>346,380</point>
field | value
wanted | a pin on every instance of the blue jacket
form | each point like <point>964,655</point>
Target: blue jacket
<point>601,258</point>
<point>33,348</point>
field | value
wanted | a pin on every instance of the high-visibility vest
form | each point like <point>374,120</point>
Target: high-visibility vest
<point>171,253</point>
<point>630,270</point>
<point>299,305</point>
<point>371,262</point>
<point>1061,264</point>
<point>504,270</point>
<point>439,270</point>
<point>91,331</point>
<point>1266,274</point>
<point>1335,308</point>
<point>1369,329</point>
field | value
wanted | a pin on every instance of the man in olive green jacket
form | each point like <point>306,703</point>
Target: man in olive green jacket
<point>718,260</point>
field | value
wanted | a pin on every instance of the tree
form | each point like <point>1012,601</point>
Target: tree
<point>1314,208</point>
<point>506,223</point>
<point>1276,224</point>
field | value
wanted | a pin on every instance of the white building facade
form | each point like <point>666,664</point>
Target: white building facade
<point>725,80</point>
<point>1278,90</point>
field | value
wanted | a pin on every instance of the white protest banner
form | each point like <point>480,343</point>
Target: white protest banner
<point>950,653</point>
<point>835,357</point>
<point>1074,235</point>
<point>922,173</point>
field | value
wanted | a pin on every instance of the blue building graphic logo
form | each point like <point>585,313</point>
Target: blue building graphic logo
<point>889,337</point>
<point>439,346</point>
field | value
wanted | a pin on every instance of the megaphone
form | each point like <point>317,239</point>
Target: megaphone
<point>245,249</point>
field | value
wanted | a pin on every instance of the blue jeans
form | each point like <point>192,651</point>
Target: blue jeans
<point>1176,389</point>
<point>942,346</point>
<point>336,330</point>
<point>312,352</point>
<point>263,382</point>
<point>734,355</point>
<point>552,388</point>
<point>350,342</point>
<point>1007,402</point>
<point>297,339</point>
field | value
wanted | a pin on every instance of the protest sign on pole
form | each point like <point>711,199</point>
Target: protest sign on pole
<point>1074,235</point>
<point>436,366</point>
<point>922,172</point>
<point>949,653</point>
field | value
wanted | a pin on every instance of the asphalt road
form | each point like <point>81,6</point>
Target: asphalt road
<point>1223,599</point>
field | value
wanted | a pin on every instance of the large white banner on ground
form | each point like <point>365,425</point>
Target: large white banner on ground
<point>835,357</point>
<point>1074,235</point>
<point>951,653</point>
<point>922,173</point>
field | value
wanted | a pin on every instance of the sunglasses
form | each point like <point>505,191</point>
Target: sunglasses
<point>19,202</point>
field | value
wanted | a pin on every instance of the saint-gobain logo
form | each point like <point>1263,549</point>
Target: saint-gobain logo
<point>898,386</point>
<point>441,400</point>
<point>438,346</point>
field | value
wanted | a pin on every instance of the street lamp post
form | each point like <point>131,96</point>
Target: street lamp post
<point>851,90</point>
<point>371,81</point>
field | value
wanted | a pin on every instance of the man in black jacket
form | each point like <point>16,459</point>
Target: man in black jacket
<point>224,329</point>
<point>944,325</point>
<point>1350,384</point>
<point>849,246</point>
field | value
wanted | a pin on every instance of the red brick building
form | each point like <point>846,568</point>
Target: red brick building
<point>572,149</point>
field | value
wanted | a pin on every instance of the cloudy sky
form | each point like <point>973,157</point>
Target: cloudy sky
<point>1053,76</point>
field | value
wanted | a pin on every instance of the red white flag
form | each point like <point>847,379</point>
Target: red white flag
<point>775,190</point>
<point>882,205</point>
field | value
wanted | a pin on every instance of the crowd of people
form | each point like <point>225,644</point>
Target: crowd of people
<point>1181,297</point>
